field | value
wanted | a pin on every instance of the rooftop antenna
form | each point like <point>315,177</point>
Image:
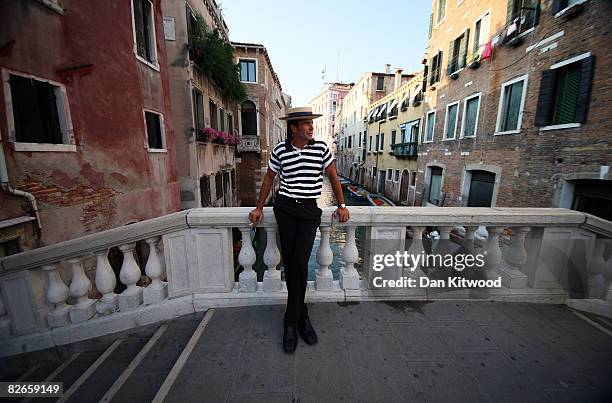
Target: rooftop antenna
<point>337,66</point>
<point>323,74</point>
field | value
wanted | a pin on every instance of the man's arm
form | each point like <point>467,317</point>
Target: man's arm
<point>335,182</point>
<point>341,213</point>
<point>265,188</point>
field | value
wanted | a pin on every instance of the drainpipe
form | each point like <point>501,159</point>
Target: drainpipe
<point>6,186</point>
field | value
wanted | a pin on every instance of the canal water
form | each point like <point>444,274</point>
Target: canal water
<point>337,238</point>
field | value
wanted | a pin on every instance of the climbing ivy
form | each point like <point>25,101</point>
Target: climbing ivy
<point>215,58</point>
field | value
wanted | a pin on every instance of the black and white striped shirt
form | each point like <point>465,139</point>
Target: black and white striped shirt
<point>301,171</point>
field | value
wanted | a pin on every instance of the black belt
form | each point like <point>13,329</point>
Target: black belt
<point>297,200</point>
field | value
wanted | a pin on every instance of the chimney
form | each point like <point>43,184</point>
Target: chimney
<point>398,78</point>
<point>387,68</point>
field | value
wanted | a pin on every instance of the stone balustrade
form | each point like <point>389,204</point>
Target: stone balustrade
<point>190,266</point>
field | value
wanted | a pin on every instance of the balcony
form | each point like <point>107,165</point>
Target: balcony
<point>249,144</point>
<point>68,292</point>
<point>404,150</point>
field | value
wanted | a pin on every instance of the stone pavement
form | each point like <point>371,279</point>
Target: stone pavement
<point>446,351</point>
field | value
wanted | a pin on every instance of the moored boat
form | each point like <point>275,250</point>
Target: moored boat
<point>357,191</point>
<point>378,200</point>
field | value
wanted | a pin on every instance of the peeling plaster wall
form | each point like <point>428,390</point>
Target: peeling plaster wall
<point>111,179</point>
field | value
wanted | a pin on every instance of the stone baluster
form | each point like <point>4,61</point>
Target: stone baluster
<point>80,285</point>
<point>443,244</point>
<point>129,275</point>
<point>492,251</point>
<point>416,248</point>
<point>272,276</point>
<point>324,279</point>
<point>5,321</point>
<point>349,277</point>
<point>105,283</point>
<point>57,294</point>
<point>600,272</point>
<point>157,291</point>
<point>247,258</point>
<point>468,240</point>
<point>516,255</point>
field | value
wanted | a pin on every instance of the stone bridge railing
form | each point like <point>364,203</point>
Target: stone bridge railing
<point>67,292</point>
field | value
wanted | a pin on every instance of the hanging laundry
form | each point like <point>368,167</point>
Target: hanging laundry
<point>495,40</point>
<point>487,51</point>
<point>511,28</point>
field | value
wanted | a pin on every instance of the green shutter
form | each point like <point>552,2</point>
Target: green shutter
<point>568,85</point>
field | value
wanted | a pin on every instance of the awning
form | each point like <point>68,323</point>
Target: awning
<point>393,104</point>
<point>417,89</point>
<point>371,113</point>
<point>381,109</point>
<point>405,98</point>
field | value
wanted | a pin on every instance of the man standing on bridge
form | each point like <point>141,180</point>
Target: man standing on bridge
<point>300,161</point>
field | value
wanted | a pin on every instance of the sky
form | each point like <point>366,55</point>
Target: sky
<point>347,38</point>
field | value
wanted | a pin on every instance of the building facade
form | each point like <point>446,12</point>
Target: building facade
<point>393,130</point>
<point>326,104</point>
<point>206,169</point>
<point>86,130</point>
<point>351,130</point>
<point>517,107</point>
<point>260,126</point>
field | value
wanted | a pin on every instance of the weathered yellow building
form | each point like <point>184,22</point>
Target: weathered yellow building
<point>394,124</point>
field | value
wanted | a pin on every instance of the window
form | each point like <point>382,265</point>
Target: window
<point>469,122</point>
<point>511,102</point>
<point>377,142</point>
<point>214,123</point>
<point>458,52</point>
<point>435,185</point>
<point>370,146</point>
<point>565,91</point>
<point>222,119</point>
<point>450,122</point>
<point>205,197</point>
<point>396,175</point>
<point>434,68</point>
<point>393,134</point>
<point>39,109</point>
<point>413,178</point>
<point>144,31</point>
<point>230,124</point>
<point>430,25</point>
<point>198,110</point>
<point>155,130</point>
<point>429,127</point>
<point>389,174</point>
<point>382,141</point>
<point>10,247</point>
<point>247,71</point>
<point>380,83</point>
<point>218,185</point>
<point>350,141</point>
<point>561,5</point>
<point>522,16</point>
<point>441,10</point>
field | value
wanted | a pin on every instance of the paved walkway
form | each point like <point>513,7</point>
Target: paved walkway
<point>402,351</point>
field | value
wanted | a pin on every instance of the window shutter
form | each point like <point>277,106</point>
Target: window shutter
<point>546,97</point>
<point>584,91</point>
<point>463,48</point>
<point>451,63</point>
<point>510,12</point>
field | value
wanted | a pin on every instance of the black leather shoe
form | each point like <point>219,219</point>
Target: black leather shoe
<point>307,331</point>
<point>289,339</point>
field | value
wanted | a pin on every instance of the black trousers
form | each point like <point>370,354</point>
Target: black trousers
<point>297,227</point>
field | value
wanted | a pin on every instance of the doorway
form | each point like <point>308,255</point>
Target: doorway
<point>481,189</point>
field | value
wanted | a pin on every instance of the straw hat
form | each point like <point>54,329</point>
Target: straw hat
<point>303,112</point>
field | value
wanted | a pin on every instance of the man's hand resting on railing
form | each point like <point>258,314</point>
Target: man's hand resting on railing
<point>256,216</point>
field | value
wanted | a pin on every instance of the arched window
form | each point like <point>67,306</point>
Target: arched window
<point>249,119</point>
